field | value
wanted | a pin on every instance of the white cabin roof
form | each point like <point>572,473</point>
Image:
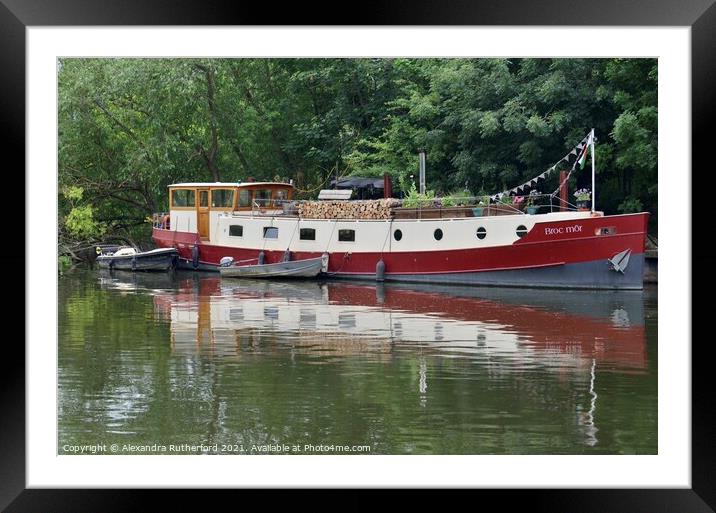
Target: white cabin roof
<point>335,194</point>
<point>226,184</point>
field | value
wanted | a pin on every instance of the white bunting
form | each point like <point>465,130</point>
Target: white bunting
<point>575,151</point>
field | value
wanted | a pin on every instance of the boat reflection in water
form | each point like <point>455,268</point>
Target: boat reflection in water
<point>208,314</point>
<point>509,334</point>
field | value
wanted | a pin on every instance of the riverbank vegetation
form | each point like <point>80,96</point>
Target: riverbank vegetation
<point>130,127</point>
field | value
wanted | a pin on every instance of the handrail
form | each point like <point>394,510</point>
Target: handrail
<point>277,207</point>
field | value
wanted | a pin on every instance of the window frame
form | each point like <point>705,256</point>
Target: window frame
<point>222,207</point>
<point>173,206</point>
<point>300,234</point>
<point>268,229</point>
<point>340,230</point>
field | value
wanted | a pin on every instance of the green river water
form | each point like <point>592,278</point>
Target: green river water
<point>189,363</point>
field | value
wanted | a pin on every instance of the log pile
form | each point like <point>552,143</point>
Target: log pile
<point>356,209</point>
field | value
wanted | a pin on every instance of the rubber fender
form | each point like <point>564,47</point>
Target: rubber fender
<point>195,256</point>
<point>380,270</point>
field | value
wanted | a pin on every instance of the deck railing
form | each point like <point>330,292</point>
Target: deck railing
<point>429,209</point>
<point>160,220</point>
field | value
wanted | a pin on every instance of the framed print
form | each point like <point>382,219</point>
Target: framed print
<point>153,404</point>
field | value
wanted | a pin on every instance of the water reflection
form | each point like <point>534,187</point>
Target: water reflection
<point>208,314</point>
<point>411,369</point>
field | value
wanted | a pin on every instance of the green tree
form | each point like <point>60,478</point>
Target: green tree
<point>130,127</point>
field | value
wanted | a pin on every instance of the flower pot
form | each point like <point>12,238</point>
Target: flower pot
<point>583,204</point>
<point>477,211</point>
<point>532,209</point>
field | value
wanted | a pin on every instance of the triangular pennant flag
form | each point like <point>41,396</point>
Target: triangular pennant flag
<point>573,152</point>
<point>582,157</point>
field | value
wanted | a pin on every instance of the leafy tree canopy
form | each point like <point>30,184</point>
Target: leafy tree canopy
<point>130,127</point>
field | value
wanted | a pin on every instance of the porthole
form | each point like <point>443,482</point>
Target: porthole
<point>438,234</point>
<point>521,231</point>
<point>481,233</point>
<point>398,234</point>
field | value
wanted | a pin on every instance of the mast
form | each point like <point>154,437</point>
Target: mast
<point>594,191</point>
<point>421,154</point>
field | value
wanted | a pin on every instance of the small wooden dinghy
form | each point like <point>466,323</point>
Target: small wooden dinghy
<point>307,268</point>
<point>129,259</point>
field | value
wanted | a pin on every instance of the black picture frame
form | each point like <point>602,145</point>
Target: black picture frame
<point>700,15</point>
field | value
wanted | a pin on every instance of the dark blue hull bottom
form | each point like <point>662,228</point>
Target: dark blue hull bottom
<point>587,275</point>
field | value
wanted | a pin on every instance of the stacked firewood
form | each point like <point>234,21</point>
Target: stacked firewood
<point>355,209</point>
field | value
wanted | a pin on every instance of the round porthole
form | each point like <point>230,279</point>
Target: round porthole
<point>521,231</point>
<point>397,234</point>
<point>438,234</point>
<point>481,233</point>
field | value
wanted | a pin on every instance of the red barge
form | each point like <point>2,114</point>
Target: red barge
<point>251,223</point>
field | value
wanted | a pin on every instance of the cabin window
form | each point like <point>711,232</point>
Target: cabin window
<point>481,233</point>
<point>397,234</point>
<point>308,234</point>
<point>203,198</point>
<point>347,235</point>
<point>244,198</point>
<point>270,232</point>
<point>606,230</point>
<point>280,196</point>
<point>183,198</point>
<point>521,231</point>
<point>262,197</point>
<point>438,234</point>
<point>222,198</point>
<point>236,230</point>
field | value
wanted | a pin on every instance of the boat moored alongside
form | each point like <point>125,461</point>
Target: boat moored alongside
<point>129,259</point>
<point>307,268</point>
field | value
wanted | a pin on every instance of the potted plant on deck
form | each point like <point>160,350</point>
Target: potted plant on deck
<point>532,206</point>
<point>482,201</point>
<point>583,198</point>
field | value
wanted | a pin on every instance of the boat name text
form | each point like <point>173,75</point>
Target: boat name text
<point>577,228</point>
